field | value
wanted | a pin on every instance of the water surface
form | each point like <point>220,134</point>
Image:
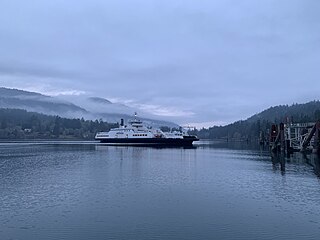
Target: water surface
<point>83,190</point>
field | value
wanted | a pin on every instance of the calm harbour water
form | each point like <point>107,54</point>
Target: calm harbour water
<point>214,191</point>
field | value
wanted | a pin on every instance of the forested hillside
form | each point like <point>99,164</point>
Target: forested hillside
<point>20,124</point>
<point>19,99</point>
<point>250,129</point>
<point>76,107</point>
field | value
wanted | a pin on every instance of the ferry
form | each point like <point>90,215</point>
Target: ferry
<point>137,133</point>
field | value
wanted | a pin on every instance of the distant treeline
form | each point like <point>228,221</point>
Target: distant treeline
<point>20,124</point>
<point>260,124</point>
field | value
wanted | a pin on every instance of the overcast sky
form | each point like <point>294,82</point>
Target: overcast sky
<point>201,62</point>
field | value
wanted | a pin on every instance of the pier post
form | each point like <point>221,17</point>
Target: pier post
<point>308,138</point>
<point>273,137</point>
<point>279,140</point>
<point>282,140</point>
<point>317,138</point>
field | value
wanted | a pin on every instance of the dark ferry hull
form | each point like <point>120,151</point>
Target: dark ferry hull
<point>151,141</point>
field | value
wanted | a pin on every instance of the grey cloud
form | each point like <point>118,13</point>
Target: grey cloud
<point>213,58</point>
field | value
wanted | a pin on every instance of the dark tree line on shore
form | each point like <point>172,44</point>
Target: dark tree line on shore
<point>20,124</point>
<point>260,124</point>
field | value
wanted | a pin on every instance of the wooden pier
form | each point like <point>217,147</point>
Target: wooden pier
<point>295,137</point>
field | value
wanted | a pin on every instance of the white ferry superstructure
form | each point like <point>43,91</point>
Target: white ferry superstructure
<point>137,133</point>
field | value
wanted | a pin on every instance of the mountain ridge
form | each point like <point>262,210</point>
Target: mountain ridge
<point>251,127</point>
<point>88,108</point>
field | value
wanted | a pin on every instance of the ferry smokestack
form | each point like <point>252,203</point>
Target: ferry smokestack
<point>121,122</point>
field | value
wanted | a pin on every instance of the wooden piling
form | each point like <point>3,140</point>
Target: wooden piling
<point>282,140</point>
<point>316,145</point>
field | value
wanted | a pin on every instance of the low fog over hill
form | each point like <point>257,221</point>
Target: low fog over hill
<point>86,107</point>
